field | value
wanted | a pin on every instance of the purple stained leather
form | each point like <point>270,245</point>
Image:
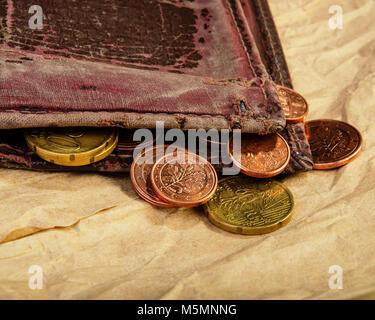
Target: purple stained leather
<point>177,61</point>
<point>193,64</point>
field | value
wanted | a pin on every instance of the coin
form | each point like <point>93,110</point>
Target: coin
<point>211,140</point>
<point>140,176</point>
<point>177,180</point>
<point>248,206</point>
<point>333,143</point>
<point>261,156</point>
<point>72,146</point>
<point>295,106</point>
<point>127,143</point>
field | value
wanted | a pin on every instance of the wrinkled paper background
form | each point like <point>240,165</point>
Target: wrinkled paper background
<point>95,239</point>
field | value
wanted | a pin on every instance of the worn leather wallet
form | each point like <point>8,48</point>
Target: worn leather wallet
<point>194,64</point>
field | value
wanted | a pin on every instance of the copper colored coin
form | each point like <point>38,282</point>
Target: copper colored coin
<point>140,176</point>
<point>261,156</point>
<point>184,183</point>
<point>126,142</point>
<point>295,106</point>
<point>333,143</point>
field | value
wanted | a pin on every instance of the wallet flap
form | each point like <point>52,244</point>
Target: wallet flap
<point>130,63</point>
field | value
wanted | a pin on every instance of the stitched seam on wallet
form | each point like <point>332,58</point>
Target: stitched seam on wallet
<point>114,111</point>
<point>238,3</point>
<point>241,37</point>
<point>227,118</point>
<point>269,35</point>
<point>270,29</point>
<point>126,112</point>
<point>232,119</point>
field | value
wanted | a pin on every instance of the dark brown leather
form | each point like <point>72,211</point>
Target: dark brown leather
<point>273,57</point>
<point>193,64</point>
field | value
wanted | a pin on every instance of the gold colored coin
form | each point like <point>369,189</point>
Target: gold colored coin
<point>248,206</point>
<point>72,146</point>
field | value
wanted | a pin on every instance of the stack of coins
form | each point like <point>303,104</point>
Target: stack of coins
<point>173,179</point>
<point>248,203</point>
<point>127,144</point>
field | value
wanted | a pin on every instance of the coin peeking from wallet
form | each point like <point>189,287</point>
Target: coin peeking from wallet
<point>72,146</point>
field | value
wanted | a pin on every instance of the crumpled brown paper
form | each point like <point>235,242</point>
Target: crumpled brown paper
<point>94,238</point>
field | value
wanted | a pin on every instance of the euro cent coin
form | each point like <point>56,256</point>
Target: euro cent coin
<point>333,143</point>
<point>140,171</point>
<point>127,143</point>
<point>295,106</point>
<point>248,206</point>
<point>72,146</point>
<point>184,179</point>
<point>261,156</point>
